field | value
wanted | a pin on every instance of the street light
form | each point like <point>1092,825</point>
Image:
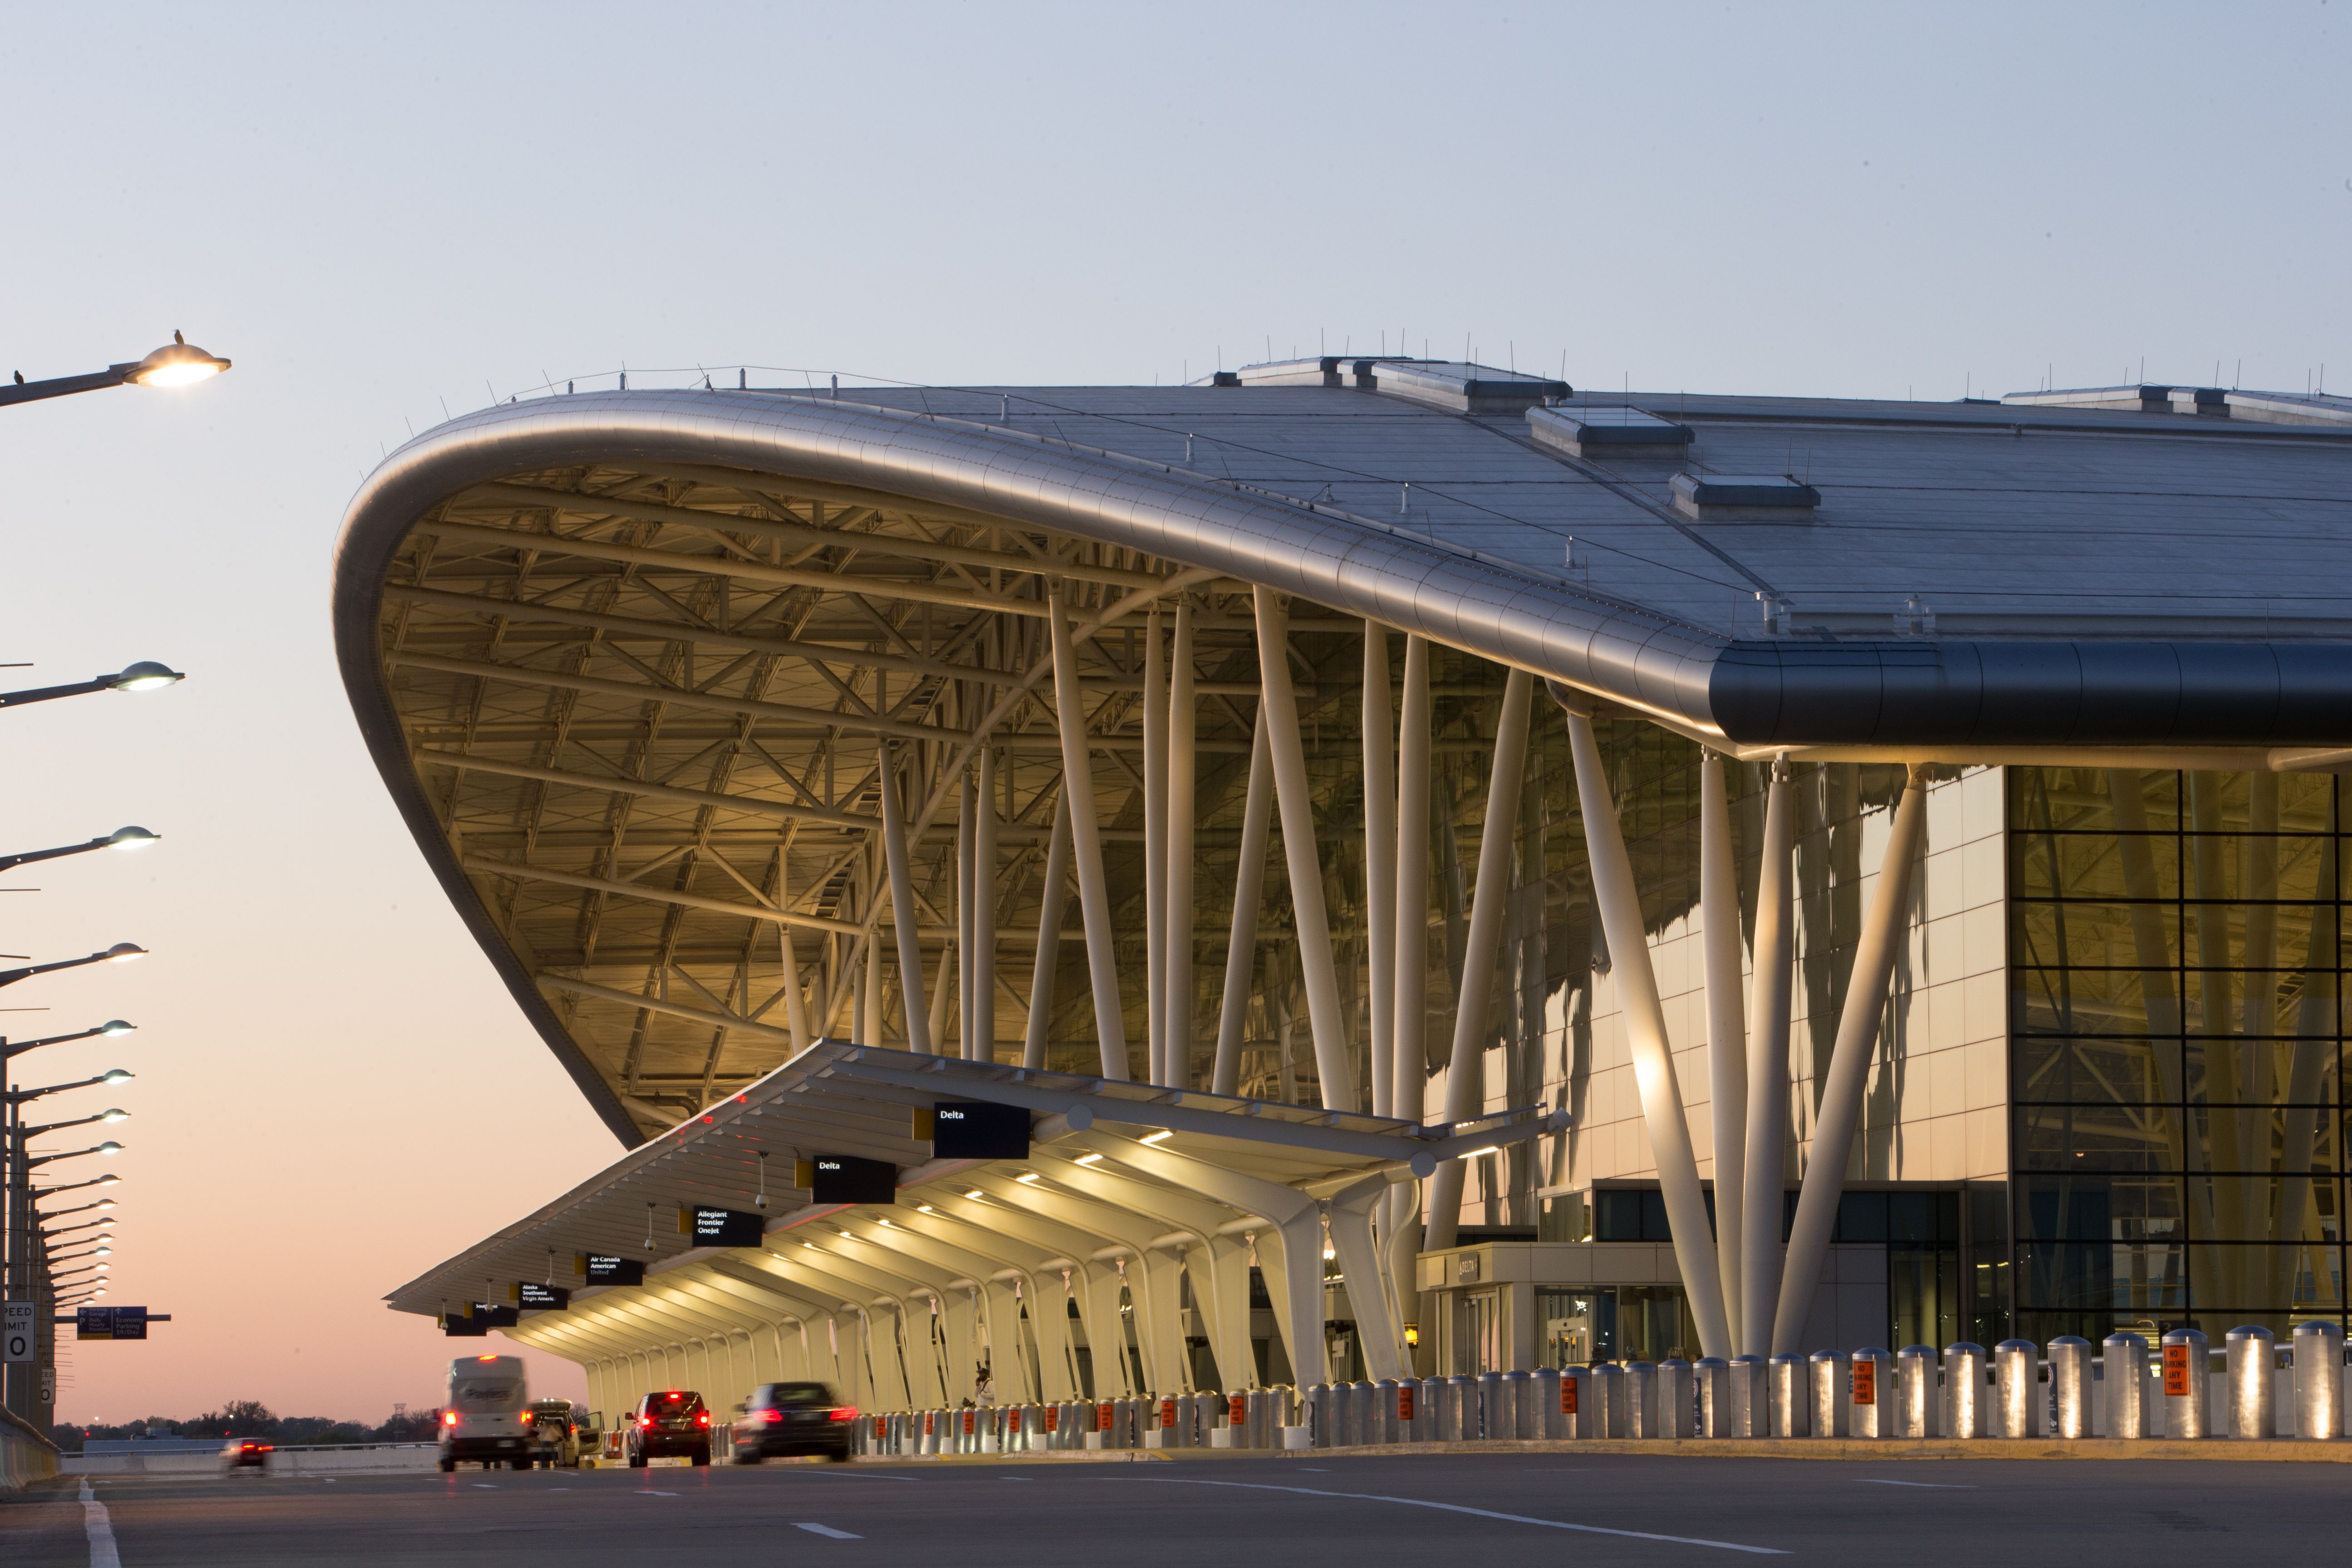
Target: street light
<point>106,1179</point>
<point>121,952</point>
<point>145,676</point>
<point>177,364</point>
<point>83,1208</point>
<point>121,838</point>
<point>109,1149</point>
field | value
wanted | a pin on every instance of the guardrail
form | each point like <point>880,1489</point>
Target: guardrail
<point>27,1455</point>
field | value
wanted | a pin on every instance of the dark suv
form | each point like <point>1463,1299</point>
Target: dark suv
<point>783,1419</point>
<point>668,1426</point>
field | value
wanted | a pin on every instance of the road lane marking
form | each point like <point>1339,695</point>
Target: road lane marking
<point>1929,1486</point>
<point>829,1533</point>
<point>1458,1508</point>
<point>484,1487</point>
<point>660,1494</point>
<point>101,1530</point>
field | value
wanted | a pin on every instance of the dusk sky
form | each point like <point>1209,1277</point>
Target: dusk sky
<point>386,215</point>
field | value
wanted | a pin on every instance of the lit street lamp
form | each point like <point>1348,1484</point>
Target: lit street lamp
<point>121,838</point>
<point>106,1179</point>
<point>111,1028</point>
<point>145,676</point>
<point>177,364</point>
<point>121,952</point>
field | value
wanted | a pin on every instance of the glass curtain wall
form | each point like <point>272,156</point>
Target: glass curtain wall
<point>2175,942</point>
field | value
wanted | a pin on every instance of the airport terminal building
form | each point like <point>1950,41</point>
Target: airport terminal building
<point>1450,872</point>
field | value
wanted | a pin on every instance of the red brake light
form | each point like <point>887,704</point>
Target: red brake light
<point>646,1421</point>
<point>673,1398</point>
<point>847,1412</point>
<point>770,1417</point>
<point>449,1419</point>
<point>704,1418</point>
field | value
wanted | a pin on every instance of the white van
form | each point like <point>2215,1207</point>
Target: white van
<point>486,1413</point>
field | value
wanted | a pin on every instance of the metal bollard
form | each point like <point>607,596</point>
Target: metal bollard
<point>1828,1378</point>
<point>2123,1362</point>
<point>1608,1390</point>
<point>1518,1405</point>
<point>1543,1403</point>
<point>1255,1427</point>
<point>1789,1395</point>
<point>1576,1405</point>
<point>1870,1394</point>
<point>1482,1416</point>
<point>2318,1381</point>
<point>1751,1398</point>
<point>1363,1412</point>
<point>2070,1387</point>
<point>1446,1407</point>
<point>1384,1426</point>
<point>1320,1416</point>
<point>2187,1384</point>
<point>1965,1387</point>
<point>2017,1389</point>
<point>1713,1375</point>
<point>1413,1422</point>
<point>2252,1350</point>
<point>1917,1405</point>
<point>1640,1399</point>
<point>1677,1399</point>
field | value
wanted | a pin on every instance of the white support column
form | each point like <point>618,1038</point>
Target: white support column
<point>1085,843</point>
<point>979,966</point>
<point>869,995</point>
<point>796,1017</point>
<point>1620,906</point>
<point>1883,930</point>
<point>1408,1019</point>
<point>1240,939</point>
<point>1326,1017</point>
<point>1466,1076</point>
<point>1380,863</point>
<point>1178,1000</point>
<point>1768,1069</point>
<point>1727,1028</point>
<point>902,907</point>
<point>1053,902</point>
<point>1378,1330</point>
<point>967,919</point>
<point>1155,852</point>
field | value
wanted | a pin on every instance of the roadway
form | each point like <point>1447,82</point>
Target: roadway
<point>1596,1510</point>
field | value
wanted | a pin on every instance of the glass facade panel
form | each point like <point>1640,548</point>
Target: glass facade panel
<point>2176,1049</point>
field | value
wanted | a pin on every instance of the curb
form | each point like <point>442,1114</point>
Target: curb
<point>2279,1450</point>
<point>1049,1456</point>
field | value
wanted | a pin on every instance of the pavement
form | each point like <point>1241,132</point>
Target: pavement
<point>1587,1510</point>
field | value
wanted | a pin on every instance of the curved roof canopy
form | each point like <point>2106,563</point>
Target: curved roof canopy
<point>628,661</point>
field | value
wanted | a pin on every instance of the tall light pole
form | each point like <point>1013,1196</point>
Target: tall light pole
<point>28,1277</point>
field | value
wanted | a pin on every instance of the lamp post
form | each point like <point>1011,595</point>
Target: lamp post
<point>28,1278</point>
<point>145,676</point>
<point>177,364</point>
<point>121,952</point>
<point>121,838</point>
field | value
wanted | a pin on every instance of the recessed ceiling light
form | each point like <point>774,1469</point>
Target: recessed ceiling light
<point>1089,1159</point>
<point>1161,1136</point>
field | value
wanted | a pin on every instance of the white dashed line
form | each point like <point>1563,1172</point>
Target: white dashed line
<point>1474,1512</point>
<point>829,1533</point>
<point>101,1530</point>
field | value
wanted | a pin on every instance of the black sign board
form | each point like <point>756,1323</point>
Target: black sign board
<point>975,1130</point>
<point>541,1298</point>
<point>110,1322</point>
<point>496,1317</point>
<point>458,1328</point>
<point>721,1227</point>
<point>605,1269</point>
<point>846,1178</point>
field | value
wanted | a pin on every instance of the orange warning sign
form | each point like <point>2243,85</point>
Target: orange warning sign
<point>2176,1371</point>
<point>1865,1382</point>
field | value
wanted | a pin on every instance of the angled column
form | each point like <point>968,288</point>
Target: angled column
<point>1241,938</point>
<point>1882,929</point>
<point>1380,863</point>
<point>1407,1017</point>
<point>1177,1002</point>
<point>1466,1079</point>
<point>980,964</point>
<point>1085,843</point>
<point>1052,903</point>
<point>1768,1069</point>
<point>967,899</point>
<point>1155,852</point>
<point>1727,1029</point>
<point>1326,1015</point>
<point>1636,984</point>
<point>902,906</point>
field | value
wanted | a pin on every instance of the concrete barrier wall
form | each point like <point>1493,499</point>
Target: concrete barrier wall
<point>282,1462</point>
<point>26,1456</point>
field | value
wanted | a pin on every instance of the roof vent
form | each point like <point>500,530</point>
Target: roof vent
<point>1226,378</point>
<point>1744,498</point>
<point>2212,401</point>
<point>1322,370</point>
<point>1608,431</point>
<point>1463,388</point>
<point>2134,399</point>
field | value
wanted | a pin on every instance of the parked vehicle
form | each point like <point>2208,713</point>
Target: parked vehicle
<point>783,1419</point>
<point>246,1454</point>
<point>674,1424</point>
<point>555,1433</point>
<point>486,1415</point>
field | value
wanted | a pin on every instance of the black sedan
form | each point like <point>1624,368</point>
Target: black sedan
<point>784,1419</point>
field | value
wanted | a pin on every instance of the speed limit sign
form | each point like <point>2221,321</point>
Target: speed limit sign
<point>17,1331</point>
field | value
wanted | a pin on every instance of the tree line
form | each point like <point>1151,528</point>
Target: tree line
<point>251,1418</point>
